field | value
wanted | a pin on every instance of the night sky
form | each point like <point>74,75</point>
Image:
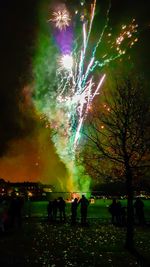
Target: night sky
<point>26,151</point>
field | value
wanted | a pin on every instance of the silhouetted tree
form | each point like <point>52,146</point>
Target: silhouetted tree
<point>118,131</point>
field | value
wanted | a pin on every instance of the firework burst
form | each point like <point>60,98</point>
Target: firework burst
<point>66,62</point>
<point>61,19</point>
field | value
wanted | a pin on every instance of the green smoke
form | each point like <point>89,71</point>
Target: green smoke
<point>45,96</point>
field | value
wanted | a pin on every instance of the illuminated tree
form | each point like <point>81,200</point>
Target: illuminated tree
<point>118,131</point>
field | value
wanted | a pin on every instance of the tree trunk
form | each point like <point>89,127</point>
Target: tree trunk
<point>129,244</point>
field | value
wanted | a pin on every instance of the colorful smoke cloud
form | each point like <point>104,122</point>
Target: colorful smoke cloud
<point>65,94</point>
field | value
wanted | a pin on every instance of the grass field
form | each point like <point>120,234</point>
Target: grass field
<point>41,244</point>
<point>97,210</point>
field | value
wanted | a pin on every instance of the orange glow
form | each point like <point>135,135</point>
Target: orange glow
<point>33,159</point>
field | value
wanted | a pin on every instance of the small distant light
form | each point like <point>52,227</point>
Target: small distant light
<point>124,26</point>
<point>82,17</point>
<point>30,194</point>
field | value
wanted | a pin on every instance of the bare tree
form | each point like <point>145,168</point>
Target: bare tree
<point>119,132</point>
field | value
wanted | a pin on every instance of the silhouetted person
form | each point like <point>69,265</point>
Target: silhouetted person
<point>50,210</point>
<point>139,210</point>
<point>113,211</point>
<point>15,211</point>
<point>74,206</point>
<point>123,216</point>
<point>62,207</point>
<point>84,206</point>
<point>118,212</point>
<point>55,209</point>
<point>3,215</point>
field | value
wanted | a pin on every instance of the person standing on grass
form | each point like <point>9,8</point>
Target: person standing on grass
<point>3,215</point>
<point>74,206</point>
<point>118,212</point>
<point>113,211</point>
<point>139,211</point>
<point>50,210</point>
<point>123,216</point>
<point>15,211</point>
<point>55,209</point>
<point>62,207</point>
<point>84,203</point>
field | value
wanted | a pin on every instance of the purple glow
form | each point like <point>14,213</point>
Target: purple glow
<point>64,40</point>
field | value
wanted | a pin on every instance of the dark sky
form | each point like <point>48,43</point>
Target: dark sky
<point>18,34</point>
<point>18,31</point>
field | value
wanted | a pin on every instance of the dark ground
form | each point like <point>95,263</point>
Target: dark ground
<point>39,243</point>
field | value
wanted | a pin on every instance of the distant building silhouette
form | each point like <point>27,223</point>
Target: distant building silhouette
<point>32,190</point>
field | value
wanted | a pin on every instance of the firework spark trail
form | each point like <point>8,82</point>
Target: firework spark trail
<point>78,131</point>
<point>99,85</point>
<point>86,37</point>
<point>81,90</point>
<point>91,21</point>
<point>82,83</point>
<point>103,31</point>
